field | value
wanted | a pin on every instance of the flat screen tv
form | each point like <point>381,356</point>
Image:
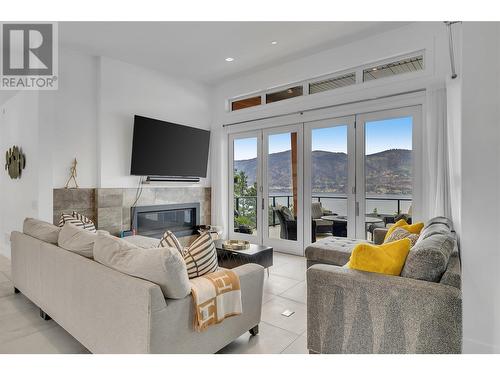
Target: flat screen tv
<point>165,149</point>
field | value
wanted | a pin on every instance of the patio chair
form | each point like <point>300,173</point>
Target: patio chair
<point>317,211</point>
<point>288,224</point>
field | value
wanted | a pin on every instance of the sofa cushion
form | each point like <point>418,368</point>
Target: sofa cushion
<point>428,259</point>
<point>142,241</point>
<point>453,273</point>
<point>41,230</point>
<point>437,225</point>
<point>440,220</point>
<point>332,250</point>
<point>77,240</point>
<point>161,265</point>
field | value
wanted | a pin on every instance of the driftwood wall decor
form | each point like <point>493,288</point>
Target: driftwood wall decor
<point>15,162</point>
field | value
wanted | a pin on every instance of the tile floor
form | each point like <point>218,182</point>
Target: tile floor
<point>23,331</point>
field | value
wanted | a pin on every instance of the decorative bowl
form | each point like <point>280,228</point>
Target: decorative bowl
<point>235,245</point>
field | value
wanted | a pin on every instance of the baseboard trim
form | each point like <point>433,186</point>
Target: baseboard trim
<point>471,346</point>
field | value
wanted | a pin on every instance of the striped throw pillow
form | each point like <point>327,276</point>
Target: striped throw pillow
<point>78,220</point>
<point>169,240</point>
<point>400,233</point>
<point>201,256</point>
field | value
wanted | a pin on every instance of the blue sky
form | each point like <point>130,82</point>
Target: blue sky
<point>387,134</point>
<point>380,136</point>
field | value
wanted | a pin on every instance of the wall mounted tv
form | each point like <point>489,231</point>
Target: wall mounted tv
<point>165,149</point>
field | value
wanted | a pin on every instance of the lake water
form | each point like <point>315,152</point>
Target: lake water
<point>337,203</point>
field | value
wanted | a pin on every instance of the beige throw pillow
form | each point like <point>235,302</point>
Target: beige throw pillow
<point>77,240</point>
<point>162,266</point>
<point>41,230</point>
<point>399,234</point>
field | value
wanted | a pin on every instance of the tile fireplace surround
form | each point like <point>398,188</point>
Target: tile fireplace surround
<point>111,208</point>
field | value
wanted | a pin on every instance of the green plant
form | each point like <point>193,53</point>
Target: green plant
<point>245,200</point>
<point>243,220</point>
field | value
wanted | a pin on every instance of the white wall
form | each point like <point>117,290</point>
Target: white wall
<point>19,121</point>
<point>126,90</point>
<point>75,118</point>
<point>428,36</point>
<point>89,117</point>
<point>480,239</point>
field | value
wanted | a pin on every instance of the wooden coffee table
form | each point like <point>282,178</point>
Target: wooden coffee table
<point>258,254</point>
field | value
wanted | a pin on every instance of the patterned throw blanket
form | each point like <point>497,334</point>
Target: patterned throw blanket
<point>216,296</point>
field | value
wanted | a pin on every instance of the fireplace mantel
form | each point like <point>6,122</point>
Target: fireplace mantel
<point>111,207</point>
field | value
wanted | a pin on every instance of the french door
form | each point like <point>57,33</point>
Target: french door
<point>387,167</point>
<point>245,186</point>
<point>330,178</point>
<point>292,185</point>
<point>282,200</point>
<point>266,187</point>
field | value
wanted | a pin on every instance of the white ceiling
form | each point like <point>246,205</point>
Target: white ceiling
<point>196,50</point>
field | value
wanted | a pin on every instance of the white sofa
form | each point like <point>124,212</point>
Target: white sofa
<point>111,312</point>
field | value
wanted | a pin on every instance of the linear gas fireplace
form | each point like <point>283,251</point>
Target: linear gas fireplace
<point>153,221</point>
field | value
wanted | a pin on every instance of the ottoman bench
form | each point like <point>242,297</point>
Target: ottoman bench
<point>331,250</point>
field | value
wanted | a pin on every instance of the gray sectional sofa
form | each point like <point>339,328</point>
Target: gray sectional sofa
<point>111,312</point>
<point>350,311</point>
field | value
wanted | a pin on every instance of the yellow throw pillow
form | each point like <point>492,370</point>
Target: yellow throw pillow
<point>388,258</point>
<point>412,228</point>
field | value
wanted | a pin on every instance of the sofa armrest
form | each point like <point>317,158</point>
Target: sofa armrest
<point>379,235</point>
<point>250,272</point>
<point>252,288</point>
<point>351,311</point>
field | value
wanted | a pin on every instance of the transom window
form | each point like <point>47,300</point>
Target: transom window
<point>408,64</point>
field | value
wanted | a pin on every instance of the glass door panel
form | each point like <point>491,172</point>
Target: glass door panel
<point>245,216</point>
<point>282,188</point>
<point>386,141</point>
<point>330,178</point>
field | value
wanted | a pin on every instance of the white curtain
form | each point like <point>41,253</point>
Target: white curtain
<point>436,199</point>
<point>454,139</point>
<point>218,169</point>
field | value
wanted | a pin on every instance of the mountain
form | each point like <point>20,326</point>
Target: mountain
<point>387,172</point>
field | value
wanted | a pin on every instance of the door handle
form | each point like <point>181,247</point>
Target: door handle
<point>357,209</point>
<point>262,203</point>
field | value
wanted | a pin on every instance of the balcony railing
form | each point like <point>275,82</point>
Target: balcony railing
<point>383,205</point>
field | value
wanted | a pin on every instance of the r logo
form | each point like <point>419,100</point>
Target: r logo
<point>27,49</point>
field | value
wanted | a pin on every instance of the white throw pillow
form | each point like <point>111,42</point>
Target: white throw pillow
<point>162,265</point>
<point>77,240</point>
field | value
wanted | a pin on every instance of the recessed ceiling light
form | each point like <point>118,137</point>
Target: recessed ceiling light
<point>229,59</point>
<point>374,69</point>
<point>274,42</point>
